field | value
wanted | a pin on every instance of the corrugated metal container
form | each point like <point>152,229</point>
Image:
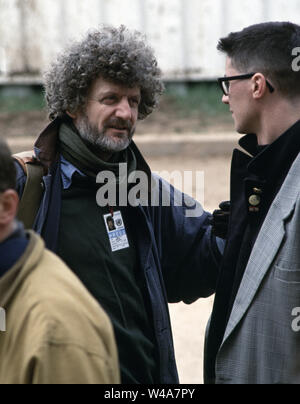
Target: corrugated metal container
<point>184,33</point>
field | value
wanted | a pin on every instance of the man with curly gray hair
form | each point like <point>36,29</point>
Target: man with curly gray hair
<point>117,55</point>
<point>96,92</point>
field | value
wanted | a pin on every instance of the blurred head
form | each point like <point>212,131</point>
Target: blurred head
<point>265,53</point>
<point>8,196</point>
<point>106,82</point>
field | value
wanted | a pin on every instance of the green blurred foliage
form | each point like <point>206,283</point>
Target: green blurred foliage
<point>18,99</point>
<point>185,107</point>
<point>197,98</point>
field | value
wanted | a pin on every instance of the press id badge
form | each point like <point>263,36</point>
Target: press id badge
<point>116,231</point>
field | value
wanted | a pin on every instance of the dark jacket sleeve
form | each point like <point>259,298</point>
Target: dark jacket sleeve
<point>190,255</point>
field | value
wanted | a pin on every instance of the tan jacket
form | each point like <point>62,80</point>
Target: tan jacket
<point>56,333</point>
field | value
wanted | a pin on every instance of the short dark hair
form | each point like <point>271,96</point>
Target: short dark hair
<point>266,48</point>
<point>7,168</point>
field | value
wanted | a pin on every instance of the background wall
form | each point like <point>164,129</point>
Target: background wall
<point>184,33</point>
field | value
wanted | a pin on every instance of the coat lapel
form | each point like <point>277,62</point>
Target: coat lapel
<point>266,247</point>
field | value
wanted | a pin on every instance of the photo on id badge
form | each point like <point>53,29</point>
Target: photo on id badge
<point>116,231</point>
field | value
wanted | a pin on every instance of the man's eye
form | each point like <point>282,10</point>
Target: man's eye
<point>135,102</point>
<point>111,99</point>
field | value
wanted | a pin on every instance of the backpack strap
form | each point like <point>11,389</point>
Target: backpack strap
<point>33,190</point>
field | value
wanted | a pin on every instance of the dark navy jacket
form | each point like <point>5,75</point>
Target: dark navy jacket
<point>178,254</point>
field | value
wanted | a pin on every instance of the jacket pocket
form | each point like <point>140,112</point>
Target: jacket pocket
<point>287,275</point>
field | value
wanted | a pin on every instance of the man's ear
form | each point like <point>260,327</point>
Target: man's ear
<point>259,86</point>
<point>9,203</point>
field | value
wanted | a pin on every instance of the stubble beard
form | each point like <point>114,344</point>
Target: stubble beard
<point>99,141</point>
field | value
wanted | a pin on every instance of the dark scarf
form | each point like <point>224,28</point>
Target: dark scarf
<point>75,151</point>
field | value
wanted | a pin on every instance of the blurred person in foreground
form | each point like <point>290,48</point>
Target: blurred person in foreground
<point>252,337</point>
<point>96,92</point>
<point>56,333</point>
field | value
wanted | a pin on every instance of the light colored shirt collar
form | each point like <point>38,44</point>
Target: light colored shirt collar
<point>67,172</point>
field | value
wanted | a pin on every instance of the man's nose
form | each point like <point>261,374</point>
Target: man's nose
<point>124,110</point>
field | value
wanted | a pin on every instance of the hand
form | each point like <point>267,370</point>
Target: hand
<point>220,220</point>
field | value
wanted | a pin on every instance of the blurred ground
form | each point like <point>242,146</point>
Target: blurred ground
<point>188,322</point>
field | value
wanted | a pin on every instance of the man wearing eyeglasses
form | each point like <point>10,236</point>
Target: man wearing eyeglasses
<point>251,339</point>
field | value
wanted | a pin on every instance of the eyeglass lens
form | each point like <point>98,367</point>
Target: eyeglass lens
<point>226,85</point>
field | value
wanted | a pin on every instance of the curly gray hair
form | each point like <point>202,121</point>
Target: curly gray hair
<point>115,54</point>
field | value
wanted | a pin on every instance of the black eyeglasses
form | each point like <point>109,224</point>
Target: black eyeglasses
<point>224,82</point>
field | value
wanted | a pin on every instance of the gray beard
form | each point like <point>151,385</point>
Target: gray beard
<point>99,141</point>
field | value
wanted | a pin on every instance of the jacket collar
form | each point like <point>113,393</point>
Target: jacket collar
<point>12,280</point>
<point>274,160</point>
<point>249,144</point>
<point>12,249</point>
<point>46,146</point>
